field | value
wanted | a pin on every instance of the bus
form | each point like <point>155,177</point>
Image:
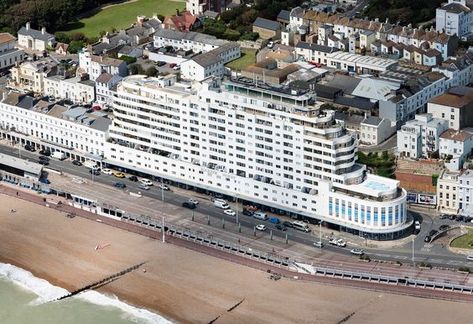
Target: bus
<point>301,226</point>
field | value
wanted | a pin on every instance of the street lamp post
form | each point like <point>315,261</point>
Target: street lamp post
<point>413,258</point>
<point>320,231</point>
<point>236,218</point>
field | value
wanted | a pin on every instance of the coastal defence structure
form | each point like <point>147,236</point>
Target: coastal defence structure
<point>401,281</point>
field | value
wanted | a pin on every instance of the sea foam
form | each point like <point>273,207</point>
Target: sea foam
<point>47,292</point>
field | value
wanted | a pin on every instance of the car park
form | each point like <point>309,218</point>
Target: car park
<point>133,178</point>
<point>357,251</point>
<point>444,227</point>
<point>107,171</point>
<point>260,227</point>
<point>145,181</point>
<point>163,187</point>
<point>77,162</point>
<point>189,205</point>
<point>120,185</point>
<point>319,244</point>
<point>120,175</point>
<point>281,227</point>
<point>229,212</point>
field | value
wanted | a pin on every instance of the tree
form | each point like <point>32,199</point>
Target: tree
<point>231,34</point>
<point>128,59</point>
<point>75,46</point>
<point>151,71</point>
<point>136,69</point>
<point>62,38</point>
<point>250,36</point>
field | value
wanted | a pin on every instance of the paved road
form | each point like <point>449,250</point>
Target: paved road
<point>423,253</point>
<point>389,145</point>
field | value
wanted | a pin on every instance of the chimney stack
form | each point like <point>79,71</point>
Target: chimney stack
<point>43,30</point>
<point>28,25</point>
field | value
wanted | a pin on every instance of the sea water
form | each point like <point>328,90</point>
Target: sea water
<point>26,299</point>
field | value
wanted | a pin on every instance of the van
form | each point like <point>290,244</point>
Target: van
<point>222,201</point>
<point>301,226</point>
<point>58,155</point>
<point>90,164</point>
<point>221,204</point>
<point>260,215</point>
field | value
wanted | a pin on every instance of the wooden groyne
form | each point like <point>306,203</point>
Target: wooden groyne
<point>101,282</point>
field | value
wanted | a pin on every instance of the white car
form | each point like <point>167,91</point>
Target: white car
<point>107,171</point>
<point>261,227</point>
<point>341,243</point>
<point>357,251</point>
<point>417,225</point>
<point>194,201</point>
<point>333,241</point>
<point>146,182</point>
<point>163,187</point>
<point>229,212</point>
<point>469,257</point>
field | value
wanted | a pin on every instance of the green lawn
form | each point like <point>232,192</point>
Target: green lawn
<point>123,15</point>
<point>248,57</point>
<point>464,241</point>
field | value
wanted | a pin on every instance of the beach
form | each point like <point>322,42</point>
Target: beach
<point>187,286</point>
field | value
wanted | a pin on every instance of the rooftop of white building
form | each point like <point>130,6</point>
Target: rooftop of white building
<point>363,60</point>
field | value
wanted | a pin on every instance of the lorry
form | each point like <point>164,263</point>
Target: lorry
<point>58,155</point>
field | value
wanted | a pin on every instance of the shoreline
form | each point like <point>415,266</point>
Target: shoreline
<point>187,286</point>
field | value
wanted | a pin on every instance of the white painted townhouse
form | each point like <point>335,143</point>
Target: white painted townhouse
<point>187,41</point>
<point>35,40</point>
<point>455,18</point>
<point>9,54</point>
<point>95,65</point>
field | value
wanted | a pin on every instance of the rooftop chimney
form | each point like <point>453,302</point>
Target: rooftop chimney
<point>43,30</point>
<point>27,25</point>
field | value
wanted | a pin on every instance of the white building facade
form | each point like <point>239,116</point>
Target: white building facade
<point>272,148</point>
<point>420,137</point>
<point>465,191</point>
<point>454,18</point>
<point>447,193</point>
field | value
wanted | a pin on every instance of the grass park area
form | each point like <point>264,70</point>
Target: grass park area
<point>248,57</point>
<point>122,15</point>
<point>464,241</point>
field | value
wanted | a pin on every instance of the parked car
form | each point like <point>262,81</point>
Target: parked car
<point>417,225</point>
<point>176,68</point>
<point>133,178</point>
<point>444,216</point>
<point>469,257</point>
<point>29,148</point>
<point>229,212</point>
<point>459,218</point>
<point>275,220</point>
<point>319,244</point>
<point>288,224</point>
<point>94,172</point>
<point>120,175</point>
<point>261,227</point>
<point>43,161</point>
<point>163,187</point>
<point>161,63</point>
<point>452,217</point>
<point>247,212</point>
<point>45,152</point>
<point>120,185</point>
<point>333,241</point>
<point>77,162</point>
<point>145,181</point>
<point>107,171</point>
<point>143,187</point>
<point>281,227</point>
<point>357,251</point>
<point>444,227</point>
<point>189,205</point>
<point>194,201</point>
<point>341,243</point>
<point>44,180</point>
<point>433,232</point>
<point>427,239</point>
<point>171,65</point>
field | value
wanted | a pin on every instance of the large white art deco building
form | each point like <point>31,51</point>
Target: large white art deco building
<point>258,143</point>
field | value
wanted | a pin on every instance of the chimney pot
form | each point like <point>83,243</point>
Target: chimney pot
<point>28,25</point>
<point>43,30</point>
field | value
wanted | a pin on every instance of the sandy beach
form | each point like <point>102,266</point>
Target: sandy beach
<point>186,286</point>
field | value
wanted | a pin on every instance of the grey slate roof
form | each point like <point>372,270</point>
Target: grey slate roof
<point>284,15</point>
<point>267,24</point>
<point>36,34</point>
<point>101,124</point>
<point>372,120</point>
<point>316,47</point>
